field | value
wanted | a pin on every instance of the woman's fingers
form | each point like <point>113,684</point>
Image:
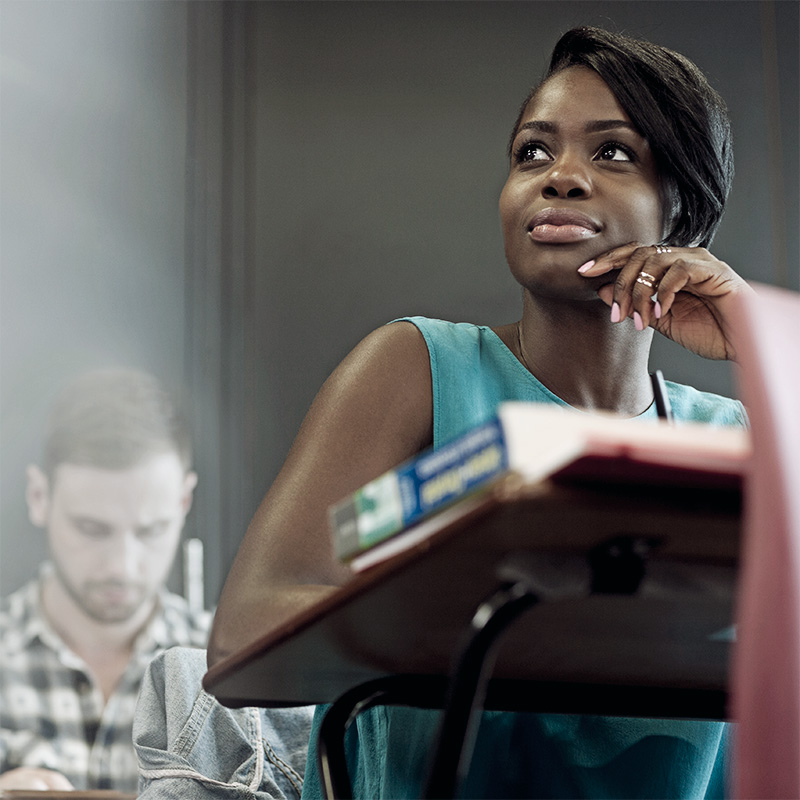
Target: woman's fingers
<point>641,269</point>
<point>641,281</point>
<point>650,276</point>
<point>683,292</point>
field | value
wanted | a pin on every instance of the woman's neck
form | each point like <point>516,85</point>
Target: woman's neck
<point>583,358</point>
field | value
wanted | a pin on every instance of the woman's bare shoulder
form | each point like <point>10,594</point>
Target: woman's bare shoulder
<point>374,411</point>
<point>376,408</point>
<point>392,359</point>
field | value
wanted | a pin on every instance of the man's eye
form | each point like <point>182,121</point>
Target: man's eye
<point>153,531</point>
<point>94,530</point>
<point>612,151</point>
<point>532,151</point>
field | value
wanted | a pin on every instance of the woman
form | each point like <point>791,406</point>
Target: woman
<point>620,164</point>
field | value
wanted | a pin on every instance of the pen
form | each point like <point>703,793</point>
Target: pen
<point>662,400</point>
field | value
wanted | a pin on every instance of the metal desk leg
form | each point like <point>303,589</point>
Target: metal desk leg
<point>616,566</point>
<point>468,686</point>
<point>408,690</point>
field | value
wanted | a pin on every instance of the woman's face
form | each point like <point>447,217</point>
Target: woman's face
<point>582,181</point>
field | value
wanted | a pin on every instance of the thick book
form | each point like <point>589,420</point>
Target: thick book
<point>535,442</point>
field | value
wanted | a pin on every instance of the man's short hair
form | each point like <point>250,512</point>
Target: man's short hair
<point>114,419</point>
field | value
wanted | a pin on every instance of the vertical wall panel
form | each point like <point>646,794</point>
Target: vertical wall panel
<point>219,301</point>
<point>92,191</point>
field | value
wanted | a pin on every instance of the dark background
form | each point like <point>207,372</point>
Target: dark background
<point>231,195</point>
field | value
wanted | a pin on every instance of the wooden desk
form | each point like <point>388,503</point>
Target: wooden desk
<point>660,651</point>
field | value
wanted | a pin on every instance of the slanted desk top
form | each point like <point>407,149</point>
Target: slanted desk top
<point>659,651</point>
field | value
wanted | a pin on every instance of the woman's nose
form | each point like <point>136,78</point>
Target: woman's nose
<point>567,178</point>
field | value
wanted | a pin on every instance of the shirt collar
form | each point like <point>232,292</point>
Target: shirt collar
<point>168,625</point>
<point>26,614</point>
<point>156,634</point>
<point>29,622</point>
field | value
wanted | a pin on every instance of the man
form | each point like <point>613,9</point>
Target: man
<point>112,494</point>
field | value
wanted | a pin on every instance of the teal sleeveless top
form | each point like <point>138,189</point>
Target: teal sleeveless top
<point>521,754</point>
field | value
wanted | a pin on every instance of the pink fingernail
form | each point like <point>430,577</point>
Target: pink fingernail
<point>637,321</point>
<point>587,266</point>
<point>615,315</point>
<point>657,310</point>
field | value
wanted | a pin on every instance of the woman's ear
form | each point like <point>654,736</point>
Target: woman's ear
<point>37,495</point>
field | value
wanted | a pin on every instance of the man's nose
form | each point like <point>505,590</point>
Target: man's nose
<point>124,555</point>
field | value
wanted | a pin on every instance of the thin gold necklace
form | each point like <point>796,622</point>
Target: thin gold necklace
<point>521,351</point>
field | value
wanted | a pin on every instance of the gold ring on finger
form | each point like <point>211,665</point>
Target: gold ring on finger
<point>647,280</point>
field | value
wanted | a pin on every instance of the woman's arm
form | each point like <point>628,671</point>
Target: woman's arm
<point>373,412</point>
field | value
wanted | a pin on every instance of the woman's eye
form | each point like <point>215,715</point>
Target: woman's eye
<point>532,151</point>
<point>611,151</point>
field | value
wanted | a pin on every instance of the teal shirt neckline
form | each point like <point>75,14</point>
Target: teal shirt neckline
<point>473,371</point>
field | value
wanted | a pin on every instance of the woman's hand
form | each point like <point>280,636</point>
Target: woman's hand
<point>685,293</point>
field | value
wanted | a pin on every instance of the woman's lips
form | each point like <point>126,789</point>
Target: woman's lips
<point>560,234</point>
<point>561,226</point>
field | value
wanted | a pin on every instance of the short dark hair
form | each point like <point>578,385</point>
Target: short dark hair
<point>114,419</point>
<point>672,104</point>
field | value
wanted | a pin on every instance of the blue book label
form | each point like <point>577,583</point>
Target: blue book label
<point>417,488</point>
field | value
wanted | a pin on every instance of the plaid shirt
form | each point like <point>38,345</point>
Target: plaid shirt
<point>52,713</point>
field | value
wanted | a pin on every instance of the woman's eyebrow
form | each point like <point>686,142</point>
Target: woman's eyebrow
<point>591,127</point>
<point>607,125</point>
<point>539,125</point>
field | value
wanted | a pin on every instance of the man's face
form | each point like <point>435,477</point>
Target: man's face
<point>113,534</point>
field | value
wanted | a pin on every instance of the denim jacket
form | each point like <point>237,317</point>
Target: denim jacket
<point>189,745</point>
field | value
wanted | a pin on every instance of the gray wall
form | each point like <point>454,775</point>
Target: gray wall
<point>92,197</point>
<point>233,194</point>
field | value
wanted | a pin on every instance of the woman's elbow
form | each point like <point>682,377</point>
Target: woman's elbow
<point>220,643</point>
